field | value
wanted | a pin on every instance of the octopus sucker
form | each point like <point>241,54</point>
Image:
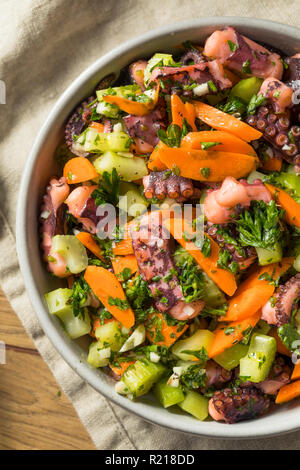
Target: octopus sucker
<point>277,311</point>
<point>162,184</point>
<point>153,250</point>
<point>238,404</point>
<point>279,131</point>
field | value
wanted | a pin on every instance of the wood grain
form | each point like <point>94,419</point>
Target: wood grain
<point>34,412</point>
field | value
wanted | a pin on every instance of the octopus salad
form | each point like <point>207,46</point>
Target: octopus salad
<point>203,310</point>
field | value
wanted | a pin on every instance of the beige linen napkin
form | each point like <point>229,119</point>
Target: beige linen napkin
<point>44,45</point>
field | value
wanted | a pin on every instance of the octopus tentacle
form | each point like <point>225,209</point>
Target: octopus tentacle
<point>152,247</point>
<point>216,376</point>
<point>192,55</point>
<point>278,312</point>
<point>161,184</point>
<point>279,131</point>
<point>237,404</point>
<point>279,375</point>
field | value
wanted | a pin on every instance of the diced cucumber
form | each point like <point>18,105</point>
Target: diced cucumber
<point>167,395</point>
<point>140,377</point>
<point>72,250</point>
<point>129,169</point>
<point>255,175</point>
<point>257,363</point>
<point>98,355</point>
<point>108,110</point>
<point>159,59</point>
<point>58,302</point>
<point>131,199</point>
<point>110,335</point>
<point>246,88</point>
<point>195,404</point>
<point>199,340</point>
<point>94,142</point>
<point>230,358</point>
<point>268,256</point>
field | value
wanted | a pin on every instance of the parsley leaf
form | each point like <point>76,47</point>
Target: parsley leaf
<point>108,189</point>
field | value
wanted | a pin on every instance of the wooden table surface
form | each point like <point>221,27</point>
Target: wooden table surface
<point>34,412</point>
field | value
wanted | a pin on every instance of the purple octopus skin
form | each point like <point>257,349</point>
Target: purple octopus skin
<point>244,53</point>
<point>279,375</point>
<point>286,298</point>
<point>162,184</point>
<point>175,78</point>
<point>278,130</point>
<point>81,117</point>
<point>216,376</point>
<point>288,295</point>
<point>53,213</point>
<point>192,55</point>
<point>146,127</point>
<point>292,74</point>
<point>244,261</point>
<point>152,247</point>
<point>238,404</point>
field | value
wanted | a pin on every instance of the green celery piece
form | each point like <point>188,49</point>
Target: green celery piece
<point>168,395</point>
<point>200,340</point>
<point>140,377</point>
<point>129,169</point>
<point>132,200</point>
<point>262,327</point>
<point>230,358</point>
<point>94,358</point>
<point>246,88</point>
<point>195,404</point>
<point>258,362</point>
<point>213,296</point>
<point>58,302</point>
<point>290,181</point>
<point>296,264</point>
<point>268,256</point>
<point>110,335</point>
<point>94,142</point>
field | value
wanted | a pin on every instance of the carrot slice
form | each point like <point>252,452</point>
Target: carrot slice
<point>296,371</point>
<point>288,392</point>
<point>206,165</point>
<point>123,366</point>
<point>133,107</point>
<point>181,111</point>
<point>154,163</point>
<point>79,170</point>
<point>121,262</point>
<point>170,333</point>
<point>253,293</point>
<point>106,287</point>
<point>97,125</point>
<point>224,279</point>
<point>226,335</point>
<point>225,122</point>
<point>281,348</point>
<point>291,207</point>
<point>124,247</point>
<point>272,164</point>
<point>227,142</point>
<point>88,241</point>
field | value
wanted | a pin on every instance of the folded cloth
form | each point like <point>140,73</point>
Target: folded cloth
<point>44,46</point>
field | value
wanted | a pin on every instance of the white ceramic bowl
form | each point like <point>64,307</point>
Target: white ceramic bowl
<point>40,167</point>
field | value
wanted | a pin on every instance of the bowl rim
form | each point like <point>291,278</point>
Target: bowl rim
<point>63,348</point>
